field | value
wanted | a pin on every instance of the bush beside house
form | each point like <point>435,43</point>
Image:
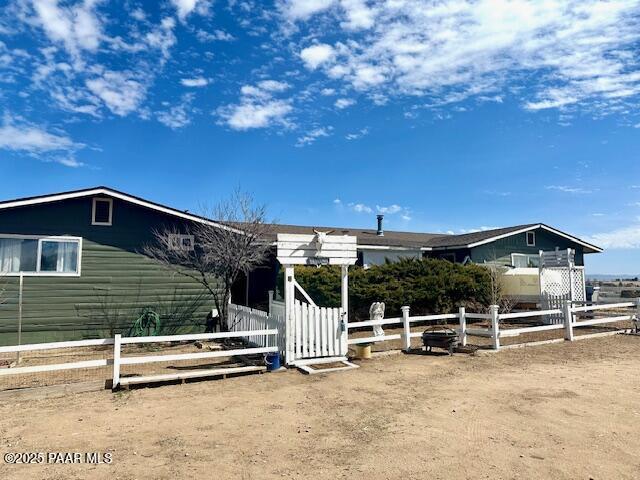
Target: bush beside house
<point>427,286</point>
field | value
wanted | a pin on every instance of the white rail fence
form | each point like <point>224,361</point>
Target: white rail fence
<point>569,314</point>
<point>269,336</point>
<point>119,360</point>
<point>243,318</point>
<point>58,366</point>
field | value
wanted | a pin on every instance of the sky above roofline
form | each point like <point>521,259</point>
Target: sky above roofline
<point>447,116</point>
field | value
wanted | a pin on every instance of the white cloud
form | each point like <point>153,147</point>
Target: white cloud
<point>273,86</point>
<point>360,208</point>
<point>359,14</point>
<point>311,136</point>
<point>32,139</point>
<point>327,92</point>
<point>258,115</point>
<point>36,141</point>
<point>120,93</point>
<point>316,55</point>
<point>77,27</point>
<point>257,107</point>
<point>567,189</point>
<point>389,210</point>
<point>303,9</point>
<point>342,103</point>
<point>194,82</point>
<point>356,135</point>
<point>138,14</point>
<point>177,116</point>
<point>161,37</point>
<point>627,237</point>
<point>573,53</point>
<point>184,7</point>
<point>216,35</point>
<point>337,201</point>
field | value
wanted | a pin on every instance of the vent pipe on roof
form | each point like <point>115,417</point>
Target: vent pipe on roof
<point>380,231</point>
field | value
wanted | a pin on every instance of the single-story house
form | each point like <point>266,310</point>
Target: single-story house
<point>85,273</point>
<point>514,247</point>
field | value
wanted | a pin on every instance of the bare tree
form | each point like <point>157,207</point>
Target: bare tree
<point>215,253</point>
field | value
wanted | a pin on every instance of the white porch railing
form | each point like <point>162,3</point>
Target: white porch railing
<point>244,319</point>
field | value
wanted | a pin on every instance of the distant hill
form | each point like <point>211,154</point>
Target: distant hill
<point>604,276</point>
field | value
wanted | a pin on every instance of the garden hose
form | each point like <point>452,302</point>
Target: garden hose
<point>147,324</point>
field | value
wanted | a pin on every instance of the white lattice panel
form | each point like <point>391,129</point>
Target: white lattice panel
<point>556,287</point>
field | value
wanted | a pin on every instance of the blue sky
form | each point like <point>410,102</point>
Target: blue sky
<point>448,116</point>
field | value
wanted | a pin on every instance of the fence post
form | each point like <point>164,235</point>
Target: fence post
<point>636,317</point>
<point>495,328</point>
<point>116,361</point>
<point>463,326</point>
<point>407,328</point>
<point>270,301</point>
<point>568,320</point>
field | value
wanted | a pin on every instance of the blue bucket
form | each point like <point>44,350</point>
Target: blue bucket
<point>272,361</point>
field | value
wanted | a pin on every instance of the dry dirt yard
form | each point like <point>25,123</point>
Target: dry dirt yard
<point>556,411</point>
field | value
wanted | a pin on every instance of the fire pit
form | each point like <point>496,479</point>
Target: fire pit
<point>441,337</point>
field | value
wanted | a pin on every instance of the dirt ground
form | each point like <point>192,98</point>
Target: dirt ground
<point>567,410</point>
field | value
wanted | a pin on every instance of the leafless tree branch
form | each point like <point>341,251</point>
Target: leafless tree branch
<point>236,244</point>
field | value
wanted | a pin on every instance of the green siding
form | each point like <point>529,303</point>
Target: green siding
<point>501,250</point>
<point>116,280</point>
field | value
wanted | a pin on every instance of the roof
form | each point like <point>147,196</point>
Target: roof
<point>89,192</point>
<point>365,237</point>
<point>429,241</point>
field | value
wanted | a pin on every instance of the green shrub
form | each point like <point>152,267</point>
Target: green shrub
<point>427,286</point>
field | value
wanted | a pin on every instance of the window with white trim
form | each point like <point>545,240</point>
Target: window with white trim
<point>531,239</point>
<point>102,211</point>
<point>178,241</point>
<point>522,260</point>
<point>34,255</point>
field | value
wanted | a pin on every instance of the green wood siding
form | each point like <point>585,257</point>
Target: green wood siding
<point>501,250</point>
<point>116,281</point>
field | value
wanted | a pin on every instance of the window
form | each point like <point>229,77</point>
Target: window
<point>33,255</point>
<point>521,260</point>
<point>102,211</point>
<point>531,239</point>
<point>178,241</point>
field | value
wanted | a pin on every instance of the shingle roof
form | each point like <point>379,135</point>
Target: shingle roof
<point>423,240</point>
<point>465,239</point>
<point>365,236</point>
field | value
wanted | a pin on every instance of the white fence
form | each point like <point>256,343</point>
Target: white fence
<point>58,366</point>
<point>244,319</point>
<point>569,314</point>
<point>119,360</point>
<point>268,336</point>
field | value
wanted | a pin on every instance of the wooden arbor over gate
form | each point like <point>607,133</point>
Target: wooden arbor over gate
<point>303,347</point>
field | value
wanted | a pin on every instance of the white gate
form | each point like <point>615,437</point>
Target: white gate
<point>315,332</point>
<point>560,280</point>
